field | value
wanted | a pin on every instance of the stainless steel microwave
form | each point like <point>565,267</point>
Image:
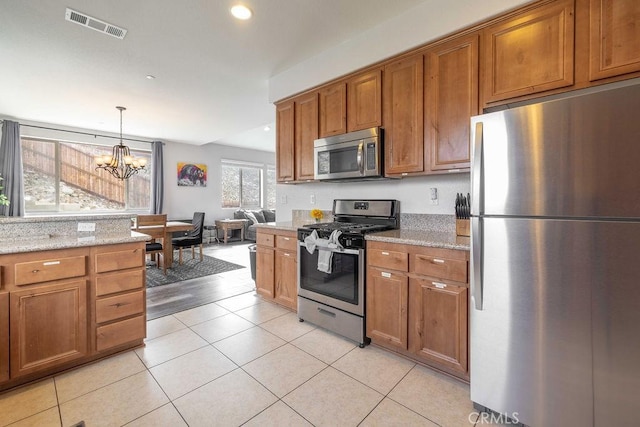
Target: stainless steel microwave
<point>349,156</point>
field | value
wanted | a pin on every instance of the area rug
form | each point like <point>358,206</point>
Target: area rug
<point>190,269</point>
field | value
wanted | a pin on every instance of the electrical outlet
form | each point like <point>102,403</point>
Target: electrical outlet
<point>86,226</point>
<point>313,199</point>
<point>433,195</point>
<point>283,199</point>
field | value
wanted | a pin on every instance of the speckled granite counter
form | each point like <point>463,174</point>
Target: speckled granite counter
<point>32,234</point>
<point>433,239</point>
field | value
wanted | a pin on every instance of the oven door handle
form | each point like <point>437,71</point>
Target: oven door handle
<point>334,250</point>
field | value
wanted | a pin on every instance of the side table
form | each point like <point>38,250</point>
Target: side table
<point>231,224</point>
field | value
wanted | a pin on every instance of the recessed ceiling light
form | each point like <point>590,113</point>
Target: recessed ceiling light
<point>150,77</point>
<point>267,128</point>
<point>241,12</point>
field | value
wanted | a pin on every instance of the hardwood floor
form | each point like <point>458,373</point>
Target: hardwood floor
<point>179,296</point>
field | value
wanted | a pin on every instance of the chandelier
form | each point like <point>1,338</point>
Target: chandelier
<point>120,163</point>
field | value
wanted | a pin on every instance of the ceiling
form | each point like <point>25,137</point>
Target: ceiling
<point>212,71</point>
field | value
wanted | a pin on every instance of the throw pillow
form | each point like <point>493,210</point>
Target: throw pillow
<point>269,215</point>
<point>251,217</point>
<point>259,216</point>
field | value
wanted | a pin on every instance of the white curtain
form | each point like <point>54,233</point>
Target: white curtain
<point>11,169</point>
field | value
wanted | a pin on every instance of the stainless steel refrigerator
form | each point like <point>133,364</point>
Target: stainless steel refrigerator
<point>555,287</point>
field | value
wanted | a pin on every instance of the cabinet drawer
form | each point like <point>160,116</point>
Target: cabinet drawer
<point>393,260</point>
<point>119,333</point>
<point>51,269</point>
<point>119,260</point>
<point>118,282</point>
<point>443,268</point>
<point>287,243</point>
<point>119,306</point>
<point>265,239</point>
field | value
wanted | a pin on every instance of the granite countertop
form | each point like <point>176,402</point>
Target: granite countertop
<point>44,242</point>
<point>433,239</point>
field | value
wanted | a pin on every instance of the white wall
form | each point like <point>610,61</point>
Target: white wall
<point>182,202</point>
<point>413,193</point>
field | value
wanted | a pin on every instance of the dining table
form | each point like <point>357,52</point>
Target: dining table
<point>167,246</point>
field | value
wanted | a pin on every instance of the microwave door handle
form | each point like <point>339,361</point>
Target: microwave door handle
<point>360,158</point>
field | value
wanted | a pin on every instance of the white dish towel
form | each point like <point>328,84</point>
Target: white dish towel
<point>324,246</point>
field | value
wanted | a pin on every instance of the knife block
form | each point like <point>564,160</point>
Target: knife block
<point>463,227</point>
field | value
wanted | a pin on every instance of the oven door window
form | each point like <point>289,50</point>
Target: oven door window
<point>341,283</point>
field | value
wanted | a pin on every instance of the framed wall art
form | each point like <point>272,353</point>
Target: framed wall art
<point>192,175</point>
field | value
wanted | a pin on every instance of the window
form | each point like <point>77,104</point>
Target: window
<point>244,185</point>
<point>61,177</point>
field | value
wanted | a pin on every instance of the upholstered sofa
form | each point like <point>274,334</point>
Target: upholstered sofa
<point>254,216</point>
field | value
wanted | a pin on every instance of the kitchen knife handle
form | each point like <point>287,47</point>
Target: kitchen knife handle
<point>477,169</point>
<point>476,263</point>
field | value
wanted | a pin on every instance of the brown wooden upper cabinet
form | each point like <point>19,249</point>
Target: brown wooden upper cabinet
<point>403,115</point>
<point>306,131</point>
<point>364,101</point>
<point>285,141</point>
<point>451,98</point>
<point>333,110</point>
<point>529,53</point>
<point>614,38</point>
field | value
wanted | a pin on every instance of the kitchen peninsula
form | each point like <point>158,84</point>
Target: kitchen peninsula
<point>68,297</point>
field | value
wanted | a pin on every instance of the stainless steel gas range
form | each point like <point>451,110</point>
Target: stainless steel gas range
<point>331,265</point>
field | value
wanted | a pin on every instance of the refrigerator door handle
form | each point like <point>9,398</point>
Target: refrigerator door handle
<point>476,262</point>
<point>477,172</point>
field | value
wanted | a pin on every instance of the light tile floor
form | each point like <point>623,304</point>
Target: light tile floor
<point>243,361</point>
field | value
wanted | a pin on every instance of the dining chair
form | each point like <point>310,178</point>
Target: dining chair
<point>192,239</point>
<point>157,231</point>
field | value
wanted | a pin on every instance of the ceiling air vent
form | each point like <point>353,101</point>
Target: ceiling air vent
<point>95,24</point>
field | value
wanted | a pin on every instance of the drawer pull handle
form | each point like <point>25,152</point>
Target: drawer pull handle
<point>385,274</point>
<point>51,263</point>
<point>35,271</point>
<point>326,312</point>
<point>385,253</point>
<point>439,285</point>
<point>119,304</point>
<point>286,238</point>
<point>439,261</point>
<point>286,254</point>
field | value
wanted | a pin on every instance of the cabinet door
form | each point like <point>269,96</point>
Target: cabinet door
<point>404,116</point>
<point>451,98</point>
<point>285,141</point>
<point>264,271</point>
<point>614,37</point>
<point>48,326</point>
<point>4,336</point>
<point>306,114</point>
<point>387,297</point>
<point>286,278</point>
<point>364,101</point>
<point>438,323</point>
<point>529,53</point>
<point>333,110</point>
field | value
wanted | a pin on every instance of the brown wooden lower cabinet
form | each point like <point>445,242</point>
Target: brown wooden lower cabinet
<point>438,322</point>
<point>57,311</point>
<point>48,326</point>
<point>424,317</point>
<point>277,266</point>
<point>387,297</point>
<point>4,336</point>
